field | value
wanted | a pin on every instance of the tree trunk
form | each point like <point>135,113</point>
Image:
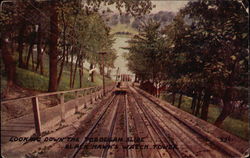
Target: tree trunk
<point>32,61</point>
<point>61,70</point>
<point>173,101</point>
<point>194,100</point>
<point>21,45</point>
<point>194,104</point>
<point>8,60</point>
<point>205,106</point>
<point>39,50</point>
<point>63,58</point>
<point>197,110</point>
<point>74,74</point>
<point>80,73</point>
<point>41,64</point>
<point>53,54</point>
<point>67,55</point>
<point>226,111</point>
<point>80,77</point>
<point>71,69</point>
<point>29,54</point>
<point>92,74</point>
<point>180,100</point>
<point>64,52</point>
<point>227,107</point>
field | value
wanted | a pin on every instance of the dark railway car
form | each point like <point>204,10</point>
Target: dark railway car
<point>120,88</point>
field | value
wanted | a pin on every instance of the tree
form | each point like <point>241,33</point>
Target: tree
<point>147,54</point>
<point>60,26</point>
<point>131,7</point>
<point>8,22</point>
<point>53,51</point>
<point>214,51</point>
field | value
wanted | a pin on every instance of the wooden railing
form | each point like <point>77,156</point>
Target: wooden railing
<point>95,92</point>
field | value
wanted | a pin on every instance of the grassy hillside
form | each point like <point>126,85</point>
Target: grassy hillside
<point>123,28</point>
<point>34,81</point>
<point>31,83</point>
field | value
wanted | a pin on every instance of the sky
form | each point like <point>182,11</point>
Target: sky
<point>168,5</point>
<point>162,5</point>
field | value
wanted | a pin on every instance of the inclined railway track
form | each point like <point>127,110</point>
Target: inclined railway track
<point>161,133</point>
<point>195,142</point>
<point>113,108</point>
<point>150,129</point>
<point>135,114</point>
<point>84,141</point>
<point>120,130</point>
<point>112,126</point>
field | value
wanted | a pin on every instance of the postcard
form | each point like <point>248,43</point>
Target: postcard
<point>124,78</point>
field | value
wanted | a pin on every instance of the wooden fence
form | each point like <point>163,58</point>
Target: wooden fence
<point>95,92</point>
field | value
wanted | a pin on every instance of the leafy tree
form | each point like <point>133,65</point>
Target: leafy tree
<point>131,7</point>
<point>60,26</point>
<point>147,53</point>
<point>214,47</point>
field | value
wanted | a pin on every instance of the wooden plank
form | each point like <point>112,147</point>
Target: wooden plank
<point>77,102</point>
<point>37,119</point>
<point>85,100</point>
<point>91,96</point>
<point>62,107</point>
<point>44,94</point>
<point>96,94</point>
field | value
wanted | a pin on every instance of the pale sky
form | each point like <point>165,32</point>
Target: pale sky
<point>168,5</point>
<point>162,5</point>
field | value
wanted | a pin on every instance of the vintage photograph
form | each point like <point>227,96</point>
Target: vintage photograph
<point>124,78</point>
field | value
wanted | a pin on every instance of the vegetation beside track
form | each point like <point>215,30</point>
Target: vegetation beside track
<point>236,126</point>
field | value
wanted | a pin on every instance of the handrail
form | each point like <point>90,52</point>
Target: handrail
<point>48,94</point>
<point>35,103</point>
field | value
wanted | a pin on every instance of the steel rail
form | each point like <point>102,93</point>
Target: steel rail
<point>150,133</point>
<point>111,129</point>
<point>211,138</point>
<point>156,112</point>
<point>157,128</point>
<point>89,132</point>
<point>127,152</point>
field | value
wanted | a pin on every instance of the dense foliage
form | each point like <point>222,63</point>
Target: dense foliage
<point>68,32</point>
<point>204,54</point>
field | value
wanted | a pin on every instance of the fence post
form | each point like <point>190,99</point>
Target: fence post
<point>101,94</point>
<point>77,102</point>
<point>62,107</point>
<point>37,119</point>
<point>91,96</point>
<point>85,99</point>
<point>96,91</point>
